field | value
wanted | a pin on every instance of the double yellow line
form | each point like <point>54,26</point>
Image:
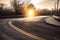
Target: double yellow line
<point>24,32</point>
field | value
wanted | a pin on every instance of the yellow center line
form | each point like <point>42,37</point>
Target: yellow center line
<point>24,32</point>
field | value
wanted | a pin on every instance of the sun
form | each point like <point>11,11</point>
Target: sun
<point>31,13</point>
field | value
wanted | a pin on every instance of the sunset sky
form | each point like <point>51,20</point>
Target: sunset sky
<point>39,4</point>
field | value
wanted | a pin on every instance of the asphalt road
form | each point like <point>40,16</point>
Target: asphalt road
<point>39,29</point>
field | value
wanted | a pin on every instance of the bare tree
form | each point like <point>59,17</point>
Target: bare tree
<point>17,6</point>
<point>2,5</point>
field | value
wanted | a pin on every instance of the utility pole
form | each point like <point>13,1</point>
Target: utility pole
<point>57,4</point>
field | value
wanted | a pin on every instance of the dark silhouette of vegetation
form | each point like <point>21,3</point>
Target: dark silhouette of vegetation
<point>8,12</point>
<point>18,8</point>
<point>49,12</point>
<point>56,12</point>
<point>45,12</point>
<point>3,11</point>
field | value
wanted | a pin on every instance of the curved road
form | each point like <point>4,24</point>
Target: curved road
<point>20,29</point>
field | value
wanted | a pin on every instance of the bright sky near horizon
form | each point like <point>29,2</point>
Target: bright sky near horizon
<point>39,4</point>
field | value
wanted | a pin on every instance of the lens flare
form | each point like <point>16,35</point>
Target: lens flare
<point>30,13</point>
